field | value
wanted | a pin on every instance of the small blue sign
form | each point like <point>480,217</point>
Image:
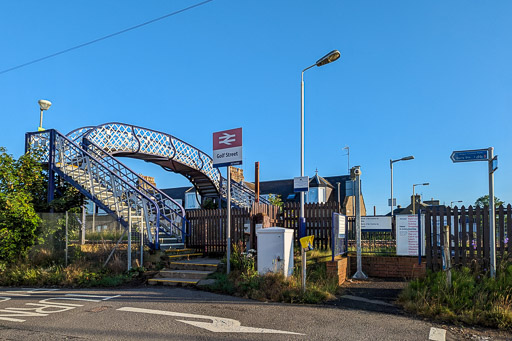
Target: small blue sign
<point>469,155</point>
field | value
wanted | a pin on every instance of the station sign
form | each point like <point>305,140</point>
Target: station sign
<point>301,184</point>
<point>227,148</point>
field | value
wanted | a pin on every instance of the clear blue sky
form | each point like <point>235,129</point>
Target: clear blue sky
<point>415,77</point>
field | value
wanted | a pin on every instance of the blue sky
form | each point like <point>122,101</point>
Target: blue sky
<point>415,77</point>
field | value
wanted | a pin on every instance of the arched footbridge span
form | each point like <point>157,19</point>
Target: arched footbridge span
<point>86,158</point>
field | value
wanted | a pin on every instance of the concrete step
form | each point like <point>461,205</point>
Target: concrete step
<point>184,274</point>
<point>184,256</point>
<point>179,251</point>
<point>173,281</point>
<point>198,264</point>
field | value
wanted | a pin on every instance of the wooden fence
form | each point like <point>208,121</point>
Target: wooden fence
<point>208,227</point>
<point>469,235</point>
<point>318,221</point>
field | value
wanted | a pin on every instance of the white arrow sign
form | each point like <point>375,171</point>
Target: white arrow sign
<point>217,324</point>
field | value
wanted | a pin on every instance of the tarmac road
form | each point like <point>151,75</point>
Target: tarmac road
<point>169,313</point>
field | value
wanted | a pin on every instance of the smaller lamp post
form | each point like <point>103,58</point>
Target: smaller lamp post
<point>414,198</point>
<point>43,105</point>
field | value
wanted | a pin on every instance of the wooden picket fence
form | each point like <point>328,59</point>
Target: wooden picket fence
<point>318,221</point>
<point>208,229</point>
<point>469,235</point>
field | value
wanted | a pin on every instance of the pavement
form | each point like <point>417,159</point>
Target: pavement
<point>380,296</point>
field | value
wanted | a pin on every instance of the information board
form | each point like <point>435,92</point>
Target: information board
<point>407,235</point>
<point>374,223</point>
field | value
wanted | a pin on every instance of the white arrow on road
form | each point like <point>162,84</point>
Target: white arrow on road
<point>217,324</point>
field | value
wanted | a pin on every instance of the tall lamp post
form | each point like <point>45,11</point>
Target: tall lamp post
<point>328,58</point>
<point>391,162</point>
<point>347,148</point>
<point>456,201</point>
<point>414,198</point>
<point>43,105</point>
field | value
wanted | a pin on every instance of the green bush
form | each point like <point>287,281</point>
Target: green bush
<point>473,297</point>
<point>244,281</point>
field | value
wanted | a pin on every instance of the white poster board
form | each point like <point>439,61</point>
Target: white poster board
<point>407,235</point>
<point>340,223</point>
<point>373,223</point>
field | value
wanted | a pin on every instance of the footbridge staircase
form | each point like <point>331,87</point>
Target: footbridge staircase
<point>86,158</point>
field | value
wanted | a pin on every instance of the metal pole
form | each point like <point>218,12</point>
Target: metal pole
<point>93,217</point>
<point>492,214</point>
<point>413,201</point>
<point>129,248</point>
<point>141,225</point>
<point>391,166</point>
<point>301,148</point>
<point>228,220</point>
<point>41,120</point>
<point>359,274</point>
<point>67,239</point>
<point>302,218</point>
<point>348,159</point>
<point>82,238</point>
<point>339,199</point>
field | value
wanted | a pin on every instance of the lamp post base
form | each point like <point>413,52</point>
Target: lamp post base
<point>359,275</point>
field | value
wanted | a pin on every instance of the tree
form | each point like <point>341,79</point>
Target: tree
<point>484,201</point>
<point>275,199</point>
<point>18,219</point>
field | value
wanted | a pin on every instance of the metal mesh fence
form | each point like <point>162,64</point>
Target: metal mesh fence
<point>97,239</point>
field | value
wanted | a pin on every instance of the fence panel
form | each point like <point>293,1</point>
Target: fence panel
<point>470,241</point>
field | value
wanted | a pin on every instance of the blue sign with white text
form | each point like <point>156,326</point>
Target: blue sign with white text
<point>469,155</point>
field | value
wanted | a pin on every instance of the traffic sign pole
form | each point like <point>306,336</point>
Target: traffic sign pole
<point>484,155</point>
<point>492,214</point>
<point>228,228</point>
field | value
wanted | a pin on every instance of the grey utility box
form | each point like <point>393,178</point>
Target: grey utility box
<point>275,250</point>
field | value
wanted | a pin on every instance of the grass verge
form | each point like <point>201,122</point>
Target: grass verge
<point>473,298</point>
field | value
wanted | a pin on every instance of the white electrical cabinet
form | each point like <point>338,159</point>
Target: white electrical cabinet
<point>275,250</point>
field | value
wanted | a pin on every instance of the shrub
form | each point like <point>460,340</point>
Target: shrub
<point>473,297</point>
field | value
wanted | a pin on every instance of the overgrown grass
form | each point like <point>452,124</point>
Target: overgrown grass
<point>474,298</point>
<point>244,280</point>
<point>76,275</point>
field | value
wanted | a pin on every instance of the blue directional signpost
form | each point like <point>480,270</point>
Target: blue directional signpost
<point>484,155</point>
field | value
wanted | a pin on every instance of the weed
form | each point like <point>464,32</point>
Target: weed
<point>473,297</point>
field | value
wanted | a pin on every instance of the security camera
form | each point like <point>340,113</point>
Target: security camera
<point>357,171</point>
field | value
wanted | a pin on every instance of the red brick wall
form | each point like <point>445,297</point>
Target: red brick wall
<point>388,267</point>
<point>338,269</point>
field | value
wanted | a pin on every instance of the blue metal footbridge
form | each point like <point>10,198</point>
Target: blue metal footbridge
<point>87,158</point>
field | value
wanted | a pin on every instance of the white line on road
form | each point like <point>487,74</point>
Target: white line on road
<point>437,334</point>
<point>217,324</point>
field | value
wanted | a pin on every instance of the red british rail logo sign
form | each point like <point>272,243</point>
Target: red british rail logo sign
<point>227,148</point>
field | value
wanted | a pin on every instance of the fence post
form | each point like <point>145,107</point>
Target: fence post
<point>82,237</point>
<point>129,248</point>
<point>446,256</point>
<point>67,239</point>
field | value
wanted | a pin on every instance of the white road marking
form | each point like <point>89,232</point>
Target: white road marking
<point>437,334</point>
<point>217,324</point>
<point>45,306</point>
<point>366,300</point>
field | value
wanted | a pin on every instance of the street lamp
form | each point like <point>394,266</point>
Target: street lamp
<point>391,162</point>
<point>328,58</point>
<point>43,105</point>
<point>348,157</point>
<point>414,198</point>
<point>451,202</point>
